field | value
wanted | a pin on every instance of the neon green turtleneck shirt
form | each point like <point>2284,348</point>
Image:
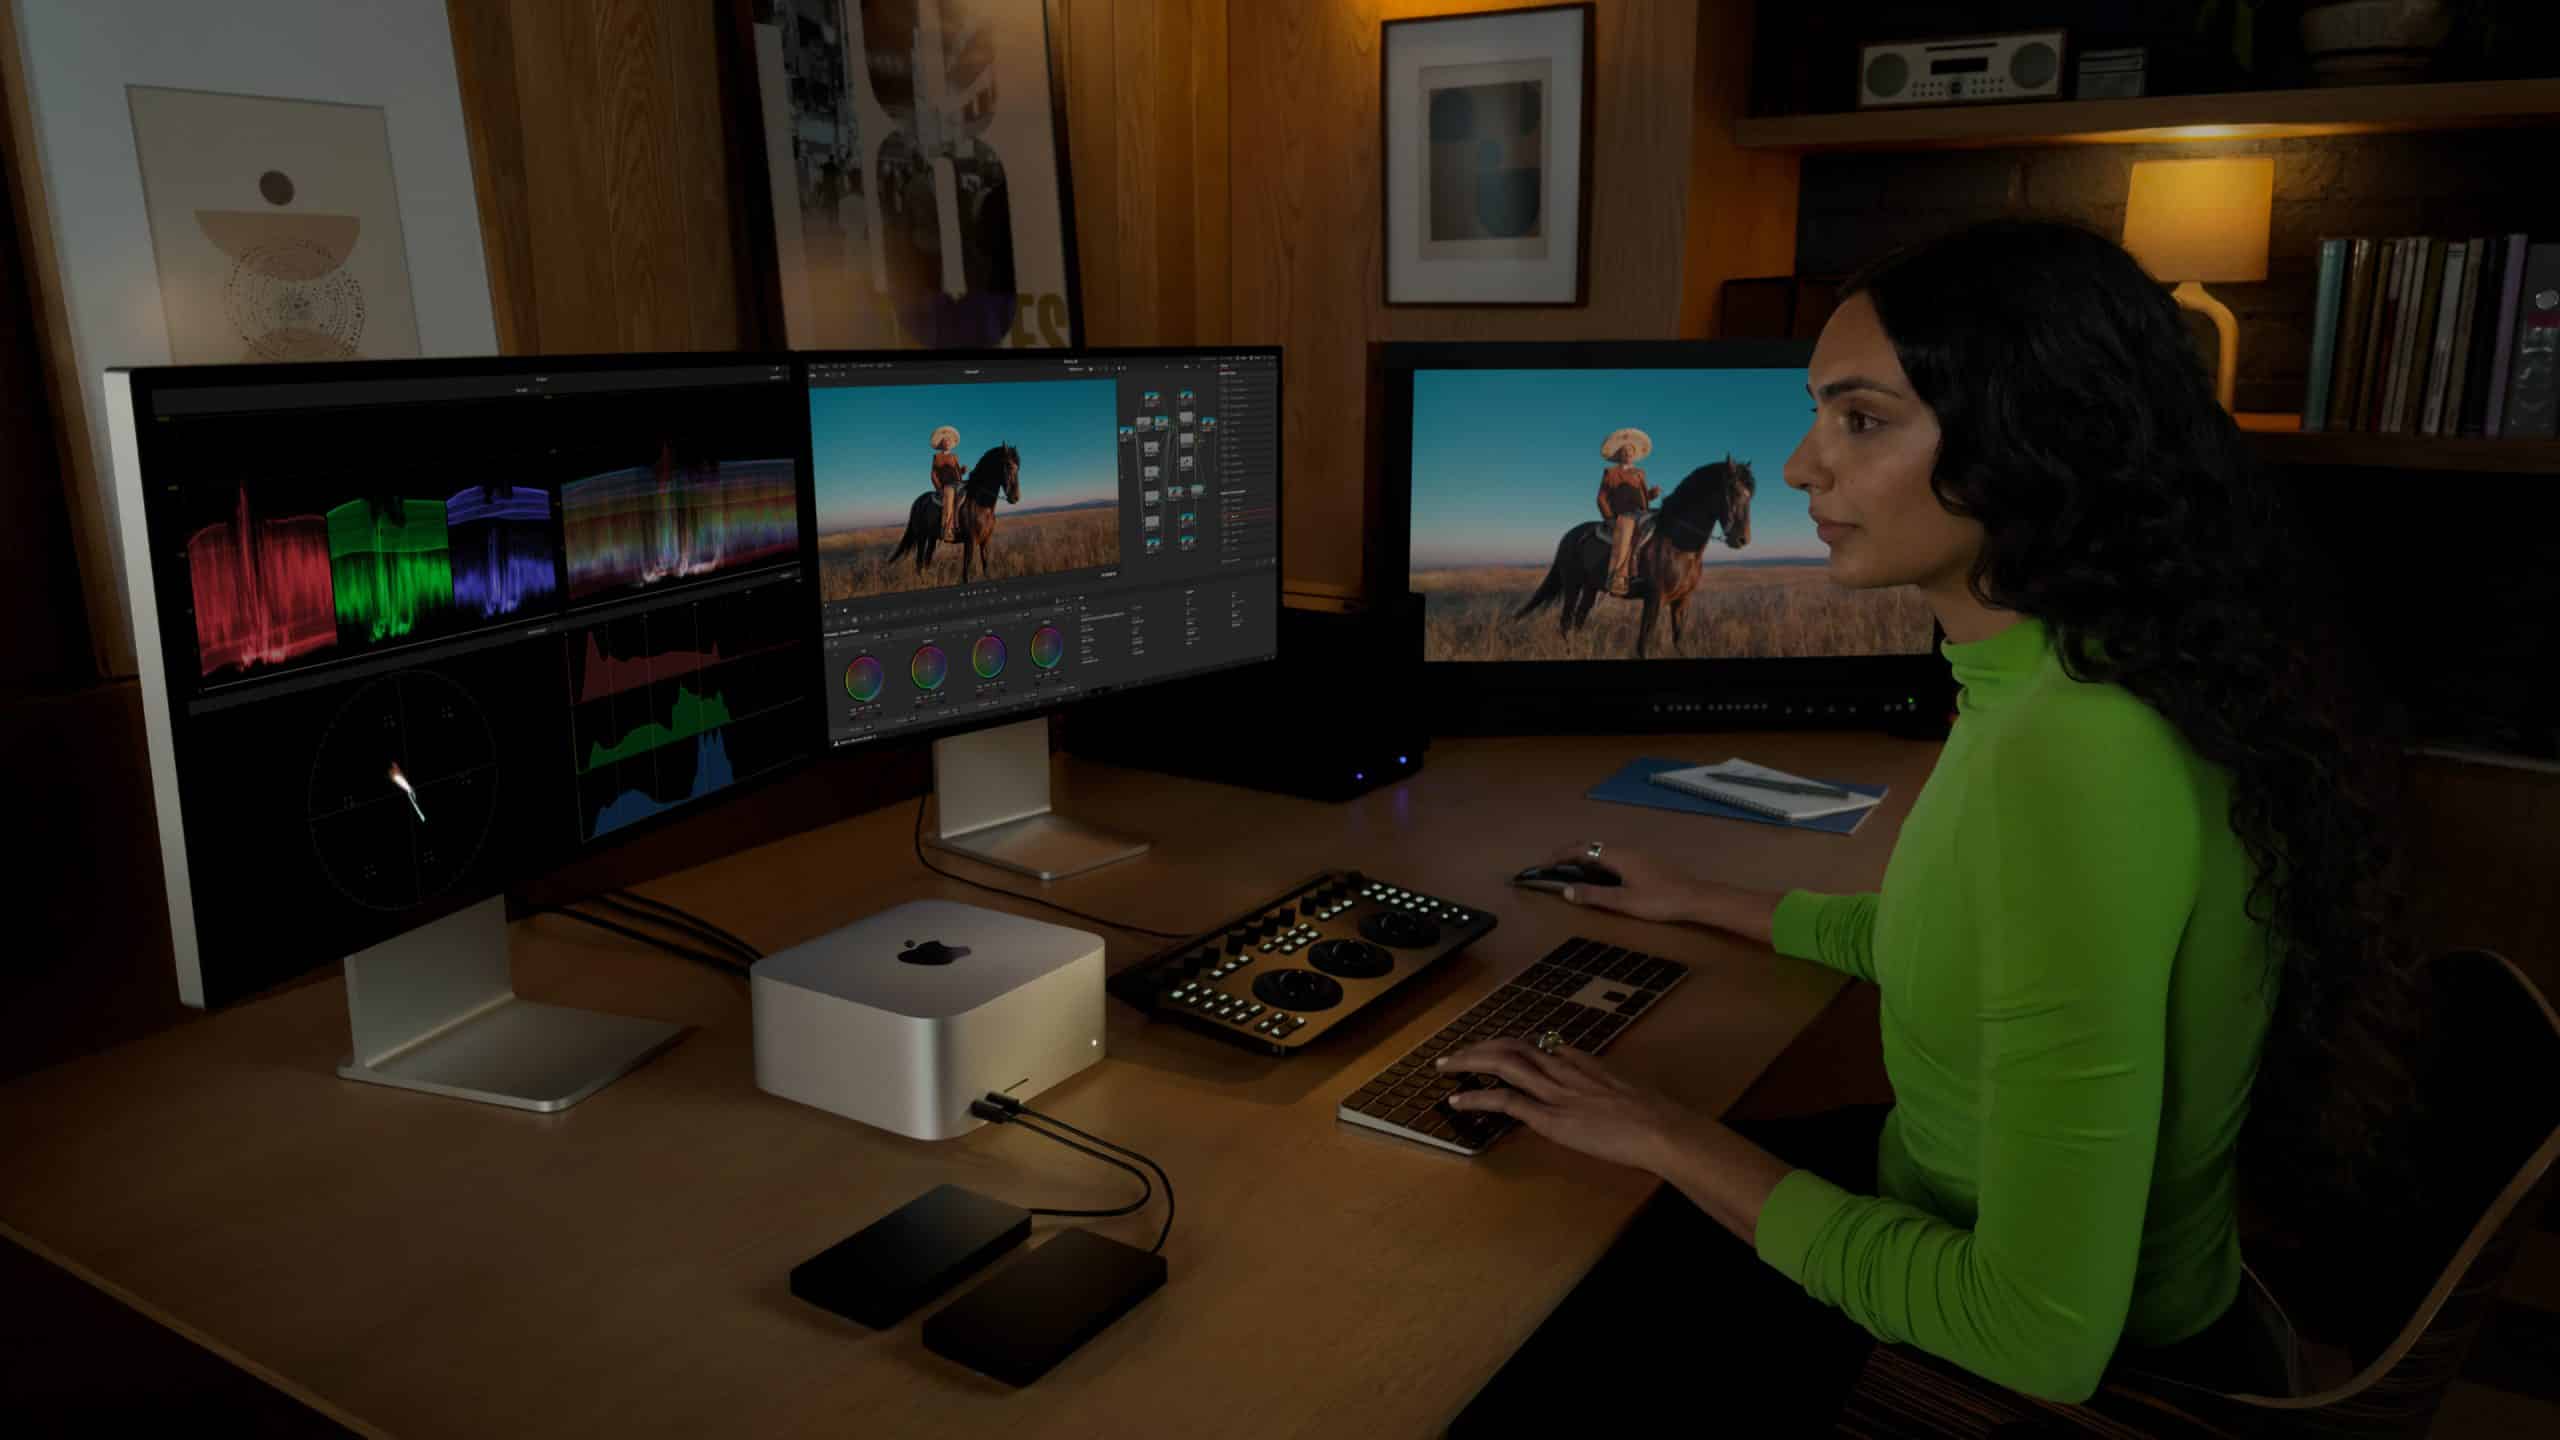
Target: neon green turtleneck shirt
<point>2073,1000</point>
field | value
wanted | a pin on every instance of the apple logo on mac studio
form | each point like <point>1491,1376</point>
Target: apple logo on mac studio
<point>931,952</point>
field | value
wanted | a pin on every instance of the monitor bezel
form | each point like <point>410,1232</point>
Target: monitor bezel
<point>1609,696</point>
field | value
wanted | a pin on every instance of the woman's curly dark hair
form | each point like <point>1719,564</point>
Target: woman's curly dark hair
<point>2120,505</point>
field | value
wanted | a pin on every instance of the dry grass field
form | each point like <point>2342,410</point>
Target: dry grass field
<point>855,563</point>
<point>1738,612</point>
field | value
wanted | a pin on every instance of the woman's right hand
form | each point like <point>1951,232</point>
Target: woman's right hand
<point>1647,889</point>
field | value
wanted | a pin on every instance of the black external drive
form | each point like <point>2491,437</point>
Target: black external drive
<point>879,1274</point>
<point>1035,1312</point>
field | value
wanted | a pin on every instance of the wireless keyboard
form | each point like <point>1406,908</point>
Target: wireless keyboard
<point>1587,991</point>
<point>1279,976</point>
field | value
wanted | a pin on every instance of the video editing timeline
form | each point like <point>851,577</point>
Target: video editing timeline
<point>429,635</point>
<point>1115,527</point>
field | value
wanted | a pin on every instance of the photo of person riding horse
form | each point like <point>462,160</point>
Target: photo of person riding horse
<point>1699,549</point>
<point>923,486</point>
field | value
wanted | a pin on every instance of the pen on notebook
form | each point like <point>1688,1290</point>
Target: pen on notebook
<point>1790,787</point>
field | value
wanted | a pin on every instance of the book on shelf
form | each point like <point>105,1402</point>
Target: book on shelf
<point>2439,340</point>
<point>2533,380</point>
<point>2417,317</point>
<point>2404,321</point>
<point>2501,346</point>
<point>2447,419</point>
<point>2324,334</point>
<point>2435,336</point>
<point>2378,334</point>
<point>2353,310</point>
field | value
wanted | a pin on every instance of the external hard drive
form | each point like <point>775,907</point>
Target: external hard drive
<point>879,1274</point>
<point>1035,1312</point>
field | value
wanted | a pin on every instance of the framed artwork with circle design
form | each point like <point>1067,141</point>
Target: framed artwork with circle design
<point>1485,124</point>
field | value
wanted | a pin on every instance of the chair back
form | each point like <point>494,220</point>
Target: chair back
<point>2492,1092</point>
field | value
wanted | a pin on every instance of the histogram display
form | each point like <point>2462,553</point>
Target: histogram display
<point>677,519</point>
<point>391,566</point>
<point>261,589</point>
<point>684,700</point>
<point>501,545</point>
<point>710,772</point>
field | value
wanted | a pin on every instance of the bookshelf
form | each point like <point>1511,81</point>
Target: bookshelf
<point>2279,440</point>
<point>2256,114</point>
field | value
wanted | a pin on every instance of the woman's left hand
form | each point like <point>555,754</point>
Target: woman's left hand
<point>1567,1097</point>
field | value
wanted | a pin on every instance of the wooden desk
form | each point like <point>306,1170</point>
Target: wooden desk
<point>433,1267</point>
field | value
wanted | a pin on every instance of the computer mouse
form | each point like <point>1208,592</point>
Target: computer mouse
<point>1552,878</point>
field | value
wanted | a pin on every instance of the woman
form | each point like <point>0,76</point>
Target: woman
<point>2150,850</point>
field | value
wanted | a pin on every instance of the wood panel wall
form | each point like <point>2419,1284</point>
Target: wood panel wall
<point>1307,242</point>
<point>1147,138</point>
<point>605,195</point>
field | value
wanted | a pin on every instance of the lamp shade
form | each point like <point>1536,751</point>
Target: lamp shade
<point>2201,220</point>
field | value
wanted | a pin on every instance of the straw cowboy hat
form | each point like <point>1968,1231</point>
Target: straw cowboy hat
<point>1642,442</point>
<point>946,438</point>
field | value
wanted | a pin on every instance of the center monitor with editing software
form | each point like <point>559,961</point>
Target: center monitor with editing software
<point>1492,460</point>
<point>996,534</point>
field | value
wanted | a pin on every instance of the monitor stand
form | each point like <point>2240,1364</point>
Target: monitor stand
<point>435,1010</point>
<point>991,803</point>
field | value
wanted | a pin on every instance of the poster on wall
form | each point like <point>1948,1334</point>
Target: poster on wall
<point>915,154</point>
<point>254,180</point>
<point>1487,122</point>
<point>275,227</point>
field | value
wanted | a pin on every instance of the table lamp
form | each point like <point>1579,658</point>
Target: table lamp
<point>2190,221</point>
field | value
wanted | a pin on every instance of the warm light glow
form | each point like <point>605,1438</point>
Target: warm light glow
<point>2201,219</point>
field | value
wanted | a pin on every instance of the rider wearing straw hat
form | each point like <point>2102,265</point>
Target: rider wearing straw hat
<point>1624,496</point>
<point>947,475</point>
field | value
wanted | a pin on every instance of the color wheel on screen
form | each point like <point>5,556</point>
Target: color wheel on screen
<point>987,657</point>
<point>1048,647</point>
<point>862,678</point>
<point>929,667</point>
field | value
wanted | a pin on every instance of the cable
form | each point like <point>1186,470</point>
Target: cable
<point>675,919</point>
<point>985,1111</point>
<point>1017,1107</point>
<point>1034,899</point>
<point>704,957</point>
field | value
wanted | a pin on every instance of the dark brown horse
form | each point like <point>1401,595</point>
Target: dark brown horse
<point>999,471</point>
<point>1667,563</point>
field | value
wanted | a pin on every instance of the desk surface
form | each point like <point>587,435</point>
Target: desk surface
<point>436,1267</point>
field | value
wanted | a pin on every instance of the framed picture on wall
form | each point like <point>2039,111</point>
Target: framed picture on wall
<point>1486,132</point>
<point>914,159</point>
<point>258,181</point>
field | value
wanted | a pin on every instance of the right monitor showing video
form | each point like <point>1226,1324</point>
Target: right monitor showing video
<point>1602,537</point>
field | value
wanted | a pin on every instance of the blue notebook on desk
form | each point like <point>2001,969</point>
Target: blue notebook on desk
<point>1634,786</point>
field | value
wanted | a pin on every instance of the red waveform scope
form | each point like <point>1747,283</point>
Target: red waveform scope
<point>262,590</point>
<point>602,674</point>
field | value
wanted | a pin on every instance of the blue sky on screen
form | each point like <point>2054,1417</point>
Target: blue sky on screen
<point>869,443</point>
<point>1505,460</point>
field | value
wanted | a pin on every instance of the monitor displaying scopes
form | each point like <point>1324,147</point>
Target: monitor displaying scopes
<point>421,631</point>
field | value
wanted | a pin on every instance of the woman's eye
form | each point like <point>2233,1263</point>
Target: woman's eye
<point>1858,422</point>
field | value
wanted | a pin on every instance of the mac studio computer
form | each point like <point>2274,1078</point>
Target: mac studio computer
<point>415,633</point>
<point>1119,526</point>
<point>1732,621</point>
